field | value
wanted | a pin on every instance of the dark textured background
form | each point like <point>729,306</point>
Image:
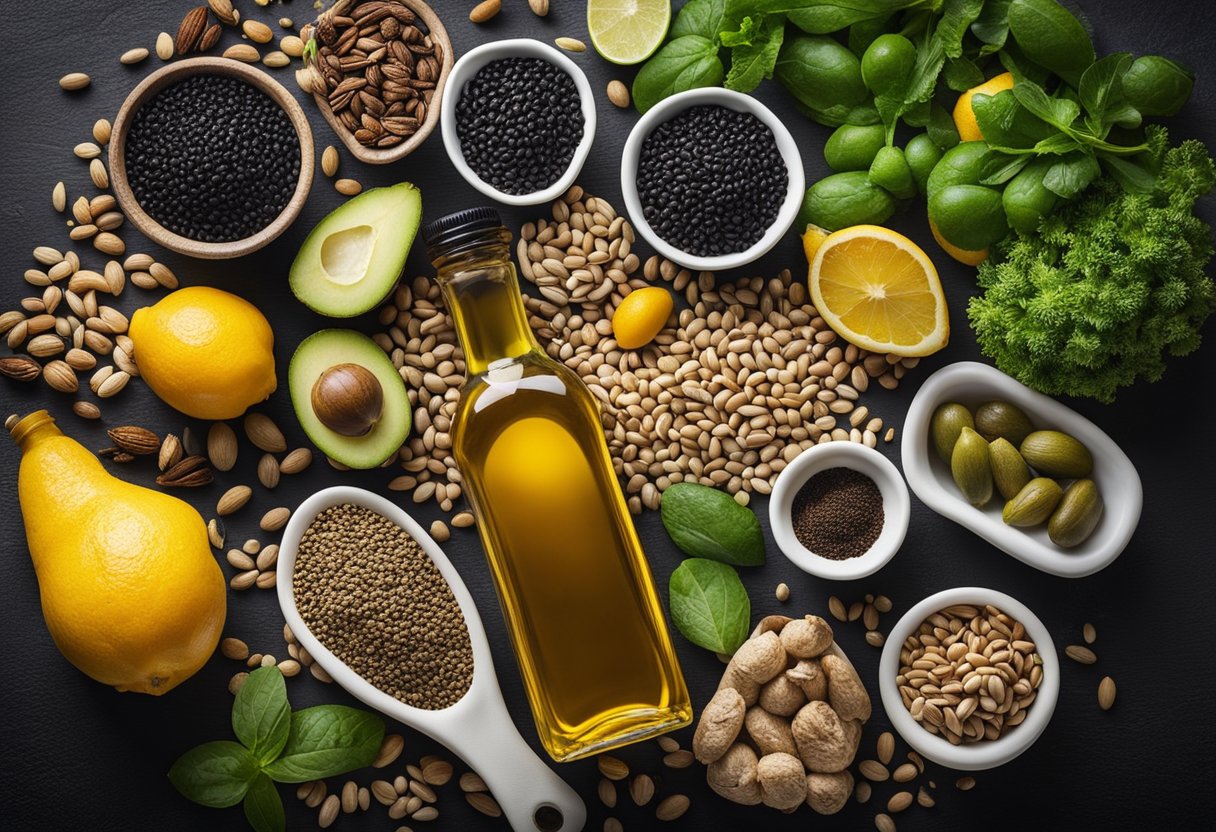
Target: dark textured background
<point>77,754</point>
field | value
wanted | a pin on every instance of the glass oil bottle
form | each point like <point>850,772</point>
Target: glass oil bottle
<point>576,591</point>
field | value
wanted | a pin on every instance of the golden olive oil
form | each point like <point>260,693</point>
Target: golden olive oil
<point>577,593</point>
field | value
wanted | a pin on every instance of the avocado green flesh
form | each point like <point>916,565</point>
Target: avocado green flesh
<point>322,350</point>
<point>352,259</point>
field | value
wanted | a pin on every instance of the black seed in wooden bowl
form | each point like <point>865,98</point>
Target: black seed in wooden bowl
<point>212,159</point>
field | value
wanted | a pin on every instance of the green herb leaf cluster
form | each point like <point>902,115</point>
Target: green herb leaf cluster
<point>709,604</point>
<point>276,745</point>
<point>1110,284</point>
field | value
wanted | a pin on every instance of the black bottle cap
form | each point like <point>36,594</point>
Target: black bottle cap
<point>460,225</point>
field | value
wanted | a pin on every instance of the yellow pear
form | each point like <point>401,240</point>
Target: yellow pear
<point>130,590</point>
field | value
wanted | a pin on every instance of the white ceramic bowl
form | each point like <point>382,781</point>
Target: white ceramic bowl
<point>673,106</point>
<point>970,383</point>
<point>895,502</point>
<point>986,753</point>
<point>467,67</point>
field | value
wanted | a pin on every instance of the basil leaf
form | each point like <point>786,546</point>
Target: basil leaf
<point>325,741</point>
<point>992,25</point>
<point>683,64</point>
<point>1058,144</point>
<point>699,17</point>
<point>215,774</point>
<point>1132,177</point>
<point>957,17</point>
<point>753,62</point>
<point>1005,122</point>
<point>1052,37</point>
<point>961,74</point>
<point>941,127</point>
<point>821,17</point>
<point>263,806</point>
<point>1072,174</point>
<point>1060,112</point>
<point>748,29</point>
<point>998,168</point>
<point>709,604</point>
<point>1019,66</point>
<point>260,715</point>
<point>1101,90</point>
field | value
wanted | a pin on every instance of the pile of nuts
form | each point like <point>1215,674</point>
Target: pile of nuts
<point>802,706</point>
<point>376,68</point>
<point>738,385</point>
<point>969,673</point>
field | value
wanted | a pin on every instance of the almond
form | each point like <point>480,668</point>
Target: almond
<point>20,368</point>
<point>264,433</point>
<point>189,472</point>
<point>134,439</point>
<point>485,11</point>
<point>190,30</point>
<point>242,52</point>
<point>233,499</point>
<point>296,461</point>
<point>221,446</point>
<point>223,11</point>
<point>210,37</point>
<point>257,31</point>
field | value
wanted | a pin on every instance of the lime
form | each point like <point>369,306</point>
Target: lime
<point>627,31</point>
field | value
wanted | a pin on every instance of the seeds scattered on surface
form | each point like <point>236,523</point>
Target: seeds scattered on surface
<point>221,446</point>
<point>485,11</point>
<point>133,56</point>
<point>233,499</point>
<point>1080,654</point>
<point>678,759</point>
<point>192,471</point>
<point>883,822</point>
<point>873,770</point>
<point>329,160</point>
<point>274,519</point>
<point>1106,693</point>
<point>965,783</point>
<point>296,461</point>
<point>672,807</point>
<point>1089,633</point>
<point>905,773</point>
<point>641,789</point>
<point>837,609</point>
<point>86,410</point>
<point>75,81</point>
<point>243,52</point>
<point>611,767</point>
<point>234,648</point>
<point>236,682</point>
<point>264,433</point>
<point>268,471</point>
<point>886,747</point>
<point>571,44</point>
<point>390,749</point>
<point>439,530</point>
<point>164,46</point>
<point>540,8</point>
<point>471,782</point>
<point>618,93</point>
<point>484,803</point>
<point>607,792</point>
<point>782,592</point>
<point>348,187</point>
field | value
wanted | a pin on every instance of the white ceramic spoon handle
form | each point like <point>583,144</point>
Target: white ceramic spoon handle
<point>519,780</point>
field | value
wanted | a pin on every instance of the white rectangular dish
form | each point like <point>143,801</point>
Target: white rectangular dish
<point>970,383</point>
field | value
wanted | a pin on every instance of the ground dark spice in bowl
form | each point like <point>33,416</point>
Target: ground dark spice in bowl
<point>838,513</point>
<point>711,180</point>
<point>369,593</point>
<point>519,121</point>
<point>212,158</point>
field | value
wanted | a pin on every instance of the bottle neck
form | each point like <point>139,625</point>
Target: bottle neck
<point>482,294</point>
<point>33,428</point>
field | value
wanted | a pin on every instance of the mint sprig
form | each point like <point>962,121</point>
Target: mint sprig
<point>275,745</point>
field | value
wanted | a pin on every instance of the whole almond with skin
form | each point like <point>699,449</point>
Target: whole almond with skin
<point>20,368</point>
<point>210,37</point>
<point>242,52</point>
<point>540,8</point>
<point>223,11</point>
<point>221,446</point>
<point>75,81</point>
<point>257,31</point>
<point>485,11</point>
<point>170,452</point>
<point>189,472</point>
<point>190,30</point>
<point>133,56</point>
<point>264,433</point>
<point>268,471</point>
<point>233,500</point>
<point>296,461</point>
<point>1106,693</point>
<point>134,439</point>
<point>86,410</point>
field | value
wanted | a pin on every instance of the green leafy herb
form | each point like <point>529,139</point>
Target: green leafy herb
<point>699,17</point>
<point>327,740</point>
<point>261,715</point>
<point>992,25</point>
<point>752,61</point>
<point>276,744</point>
<point>1072,174</point>
<point>709,604</point>
<point>215,774</point>
<point>685,63</point>
<point>1110,284</point>
<point>1050,36</point>
<point>820,17</point>
<point>263,806</point>
<point>707,523</point>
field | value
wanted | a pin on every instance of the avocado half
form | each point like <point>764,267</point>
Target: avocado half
<point>352,259</point>
<point>331,347</point>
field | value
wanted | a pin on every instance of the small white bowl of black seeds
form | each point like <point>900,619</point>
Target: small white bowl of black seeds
<point>711,178</point>
<point>518,120</point>
<point>211,158</point>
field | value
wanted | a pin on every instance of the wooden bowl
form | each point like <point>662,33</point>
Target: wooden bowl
<point>174,73</point>
<point>383,156</point>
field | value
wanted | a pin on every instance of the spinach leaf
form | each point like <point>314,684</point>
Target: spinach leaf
<point>999,168</point>
<point>752,62</point>
<point>709,604</point>
<point>261,715</point>
<point>992,26</point>
<point>1052,37</point>
<point>699,17</point>
<point>263,806</point>
<point>821,17</point>
<point>1072,174</point>
<point>327,740</point>
<point>1132,177</point>
<point>1101,91</point>
<point>1060,112</point>
<point>961,74</point>
<point>941,128</point>
<point>1021,67</point>
<point>1004,122</point>
<point>215,774</point>
<point>957,17</point>
<point>683,64</point>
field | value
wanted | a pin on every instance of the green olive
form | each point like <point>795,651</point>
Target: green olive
<point>853,147</point>
<point>968,216</point>
<point>887,63</point>
<point>1157,86</point>
<point>845,199</point>
<point>960,165</point>
<point>890,170</point>
<point>922,156</point>
<point>1026,200</point>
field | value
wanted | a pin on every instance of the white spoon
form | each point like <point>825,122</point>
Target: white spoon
<point>478,727</point>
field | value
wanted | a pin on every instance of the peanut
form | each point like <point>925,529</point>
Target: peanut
<point>719,725</point>
<point>806,637</point>
<point>781,696</point>
<point>825,742</point>
<point>782,780</point>
<point>761,658</point>
<point>733,775</point>
<point>846,693</point>
<point>770,733</point>
<point>828,793</point>
<point>734,679</point>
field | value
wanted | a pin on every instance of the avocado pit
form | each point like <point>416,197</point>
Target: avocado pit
<point>348,399</point>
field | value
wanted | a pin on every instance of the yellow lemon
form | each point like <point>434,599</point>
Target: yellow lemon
<point>812,239</point>
<point>962,255</point>
<point>641,316</point>
<point>205,352</point>
<point>877,289</point>
<point>130,590</point>
<point>964,116</point>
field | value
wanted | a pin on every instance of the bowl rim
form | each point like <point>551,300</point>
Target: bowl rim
<point>469,64</point>
<point>1114,472</point>
<point>981,755</point>
<point>667,109</point>
<point>897,506</point>
<point>385,155</point>
<point>173,73</point>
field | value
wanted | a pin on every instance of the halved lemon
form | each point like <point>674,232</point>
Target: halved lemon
<point>627,31</point>
<point>962,255</point>
<point>879,290</point>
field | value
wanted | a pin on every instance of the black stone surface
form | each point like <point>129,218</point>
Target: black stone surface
<point>78,755</point>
